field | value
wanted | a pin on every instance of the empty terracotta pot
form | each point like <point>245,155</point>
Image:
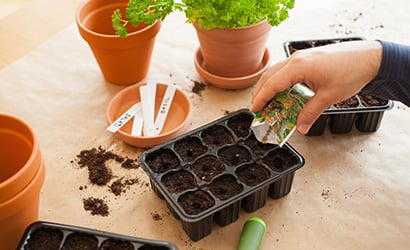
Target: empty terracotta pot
<point>235,52</point>
<point>22,175</point>
<point>121,60</point>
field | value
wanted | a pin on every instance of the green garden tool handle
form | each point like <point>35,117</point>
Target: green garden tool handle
<point>252,234</point>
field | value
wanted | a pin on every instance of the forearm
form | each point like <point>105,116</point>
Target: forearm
<point>393,79</point>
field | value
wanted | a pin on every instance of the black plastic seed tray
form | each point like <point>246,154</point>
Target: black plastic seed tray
<point>361,110</point>
<point>47,235</point>
<point>209,174</point>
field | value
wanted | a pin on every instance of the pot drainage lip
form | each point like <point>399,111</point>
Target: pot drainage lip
<point>230,82</point>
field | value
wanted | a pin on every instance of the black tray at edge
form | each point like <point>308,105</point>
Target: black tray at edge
<point>97,233</point>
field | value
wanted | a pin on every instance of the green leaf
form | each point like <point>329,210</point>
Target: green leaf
<point>118,23</point>
<point>208,14</point>
<point>236,13</point>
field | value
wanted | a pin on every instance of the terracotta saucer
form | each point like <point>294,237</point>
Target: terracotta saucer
<point>176,123</point>
<point>230,82</point>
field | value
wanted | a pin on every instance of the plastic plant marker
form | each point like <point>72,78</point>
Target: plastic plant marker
<point>147,95</point>
<point>123,119</point>
<point>138,122</point>
<point>164,108</point>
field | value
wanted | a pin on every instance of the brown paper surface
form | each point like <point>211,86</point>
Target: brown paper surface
<point>352,193</point>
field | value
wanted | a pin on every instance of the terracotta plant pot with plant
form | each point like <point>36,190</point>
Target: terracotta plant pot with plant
<point>121,60</point>
<point>234,52</point>
<point>235,62</point>
<point>22,175</point>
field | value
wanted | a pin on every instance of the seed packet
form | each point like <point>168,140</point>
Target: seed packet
<point>276,122</point>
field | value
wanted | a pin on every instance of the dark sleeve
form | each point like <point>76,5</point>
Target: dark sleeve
<point>393,79</point>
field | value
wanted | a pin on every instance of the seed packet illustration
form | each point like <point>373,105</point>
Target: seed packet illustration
<point>276,122</point>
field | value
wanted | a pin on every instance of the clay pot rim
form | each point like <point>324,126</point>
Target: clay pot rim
<point>149,141</point>
<point>26,173</point>
<point>154,27</point>
<point>263,22</point>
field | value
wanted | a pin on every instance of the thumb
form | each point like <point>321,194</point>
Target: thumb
<point>311,111</point>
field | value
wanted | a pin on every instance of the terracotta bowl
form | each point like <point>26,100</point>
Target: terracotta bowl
<point>176,123</point>
<point>230,82</point>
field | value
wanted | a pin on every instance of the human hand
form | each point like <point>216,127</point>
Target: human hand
<point>334,72</point>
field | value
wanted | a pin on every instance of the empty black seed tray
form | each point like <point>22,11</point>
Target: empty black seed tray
<point>47,235</point>
<point>363,111</point>
<point>209,174</point>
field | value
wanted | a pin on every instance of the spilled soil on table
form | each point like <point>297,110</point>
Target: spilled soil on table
<point>99,173</point>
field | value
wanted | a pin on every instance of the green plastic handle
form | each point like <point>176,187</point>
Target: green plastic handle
<point>252,234</point>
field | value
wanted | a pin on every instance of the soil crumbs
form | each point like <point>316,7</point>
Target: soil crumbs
<point>100,174</point>
<point>96,206</point>
<point>198,87</point>
<point>95,161</point>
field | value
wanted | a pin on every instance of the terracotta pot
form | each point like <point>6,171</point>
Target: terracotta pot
<point>21,178</point>
<point>121,60</point>
<point>236,52</point>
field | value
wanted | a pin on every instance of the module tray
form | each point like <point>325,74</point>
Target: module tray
<point>361,110</point>
<point>210,173</point>
<point>47,235</point>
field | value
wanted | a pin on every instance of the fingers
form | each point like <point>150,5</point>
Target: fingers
<point>278,78</point>
<point>311,111</point>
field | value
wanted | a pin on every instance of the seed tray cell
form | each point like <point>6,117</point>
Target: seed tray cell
<point>47,235</point>
<point>226,169</point>
<point>365,112</point>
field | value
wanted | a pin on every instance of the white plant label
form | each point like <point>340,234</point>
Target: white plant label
<point>164,108</point>
<point>123,119</point>
<point>138,122</point>
<point>147,95</point>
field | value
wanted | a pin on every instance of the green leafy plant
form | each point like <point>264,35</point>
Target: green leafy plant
<point>208,14</point>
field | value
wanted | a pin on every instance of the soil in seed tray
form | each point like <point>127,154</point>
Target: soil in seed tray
<point>252,174</point>
<point>78,241</point>
<point>217,135</point>
<point>351,102</point>
<point>207,167</point>
<point>195,202</point>
<point>293,47</point>
<point>280,159</point>
<point>96,206</point>
<point>370,101</point>
<point>240,124</point>
<point>44,238</point>
<point>234,155</point>
<point>258,147</point>
<point>112,244</point>
<point>177,182</point>
<point>323,43</point>
<point>225,187</point>
<point>162,160</point>
<point>189,148</point>
<point>151,247</point>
